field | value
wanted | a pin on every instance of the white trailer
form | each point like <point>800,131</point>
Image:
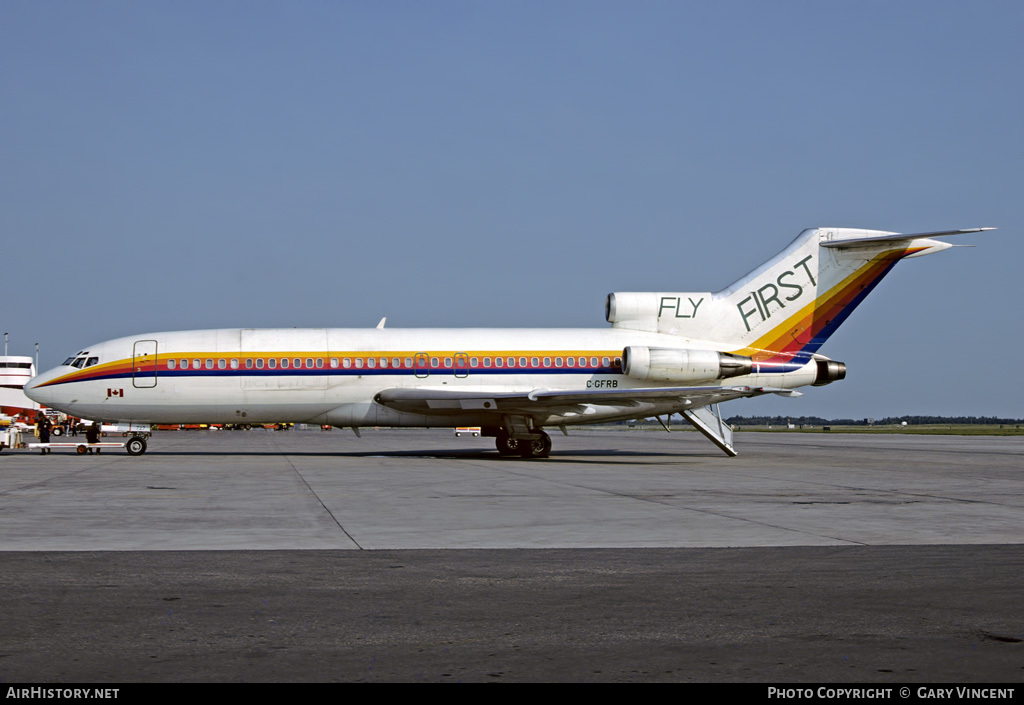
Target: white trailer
<point>134,446</point>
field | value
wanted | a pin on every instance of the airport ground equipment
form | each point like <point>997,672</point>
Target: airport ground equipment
<point>133,446</point>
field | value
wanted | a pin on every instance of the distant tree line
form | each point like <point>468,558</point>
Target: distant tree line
<point>888,420</point>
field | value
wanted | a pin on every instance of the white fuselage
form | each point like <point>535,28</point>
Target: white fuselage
<point>331,376</point>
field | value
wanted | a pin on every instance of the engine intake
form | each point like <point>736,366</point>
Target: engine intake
<point>658,312</point>
<point>682,365</point>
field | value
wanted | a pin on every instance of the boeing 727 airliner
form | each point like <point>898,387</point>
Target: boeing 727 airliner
<point>665,353</point>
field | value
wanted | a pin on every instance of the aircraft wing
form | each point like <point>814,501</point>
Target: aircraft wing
<point>694,403</point>
<point>545,401</point>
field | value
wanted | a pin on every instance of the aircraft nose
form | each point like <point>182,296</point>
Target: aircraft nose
<point>36,392</point>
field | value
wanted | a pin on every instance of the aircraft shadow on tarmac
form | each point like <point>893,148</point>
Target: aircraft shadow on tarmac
<point>574,456</point>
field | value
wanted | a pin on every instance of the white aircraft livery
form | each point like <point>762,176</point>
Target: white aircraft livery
<point>665,353</point>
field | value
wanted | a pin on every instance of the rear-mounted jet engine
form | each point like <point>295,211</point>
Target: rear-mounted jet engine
<point>829,371</point>
<point>681,365</point>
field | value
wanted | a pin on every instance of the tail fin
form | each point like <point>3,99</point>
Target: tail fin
<point>788,307</point>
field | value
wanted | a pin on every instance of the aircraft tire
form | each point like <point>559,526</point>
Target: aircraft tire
<point>136,446</point>
<point>539,448</point>
<point>506,444</point>
<point>81,450</point>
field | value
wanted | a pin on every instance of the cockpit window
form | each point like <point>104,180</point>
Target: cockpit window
<point>79,359</point>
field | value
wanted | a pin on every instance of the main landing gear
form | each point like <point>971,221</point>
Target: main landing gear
<point>539,447</point>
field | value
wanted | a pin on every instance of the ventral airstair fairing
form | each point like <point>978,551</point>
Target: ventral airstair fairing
<point>665,353</point>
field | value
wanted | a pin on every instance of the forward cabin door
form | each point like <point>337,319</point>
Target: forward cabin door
<point>144,364</point>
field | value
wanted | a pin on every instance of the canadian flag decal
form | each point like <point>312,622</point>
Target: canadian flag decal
<point>114,392</point>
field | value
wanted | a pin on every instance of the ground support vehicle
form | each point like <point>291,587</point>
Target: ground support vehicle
<point>134,446</point>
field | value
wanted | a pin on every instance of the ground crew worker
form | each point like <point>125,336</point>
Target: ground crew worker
<point>92,434</point>
<point>43,431</point>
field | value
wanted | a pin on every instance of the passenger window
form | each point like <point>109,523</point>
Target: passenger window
<point>522,362</point>
<point>558,362</point>
<point>606,362</point>
<point>297,362</point>
<point>395,362</point>
<point>170,364</point>
<point>498,362</point>
<point>408,362</point>
<point>222,364</point>
<point>284,363</point>
<point>259,363</point>
<point>196,364</point>
<point>511,362</point>
<point>487,362</point>
<point>319,363</point>
<point>593,362</point>
<point>309,363</point>
<point>371,362</point>
<point>534,362</point>
<point>209,364</point>
<point>570,362</point>
<point>248,363</point>
<point>383,362</point>
<point>448,362</point>
<point>359,363</point>
<point>272,363</point>
<point>334,363</point>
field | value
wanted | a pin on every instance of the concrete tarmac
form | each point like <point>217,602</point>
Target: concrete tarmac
<point>417,556</point>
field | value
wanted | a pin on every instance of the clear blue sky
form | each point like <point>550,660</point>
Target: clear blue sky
<point>168,165</point>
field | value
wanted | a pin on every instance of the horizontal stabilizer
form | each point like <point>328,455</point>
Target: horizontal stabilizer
<point>896,237</point>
